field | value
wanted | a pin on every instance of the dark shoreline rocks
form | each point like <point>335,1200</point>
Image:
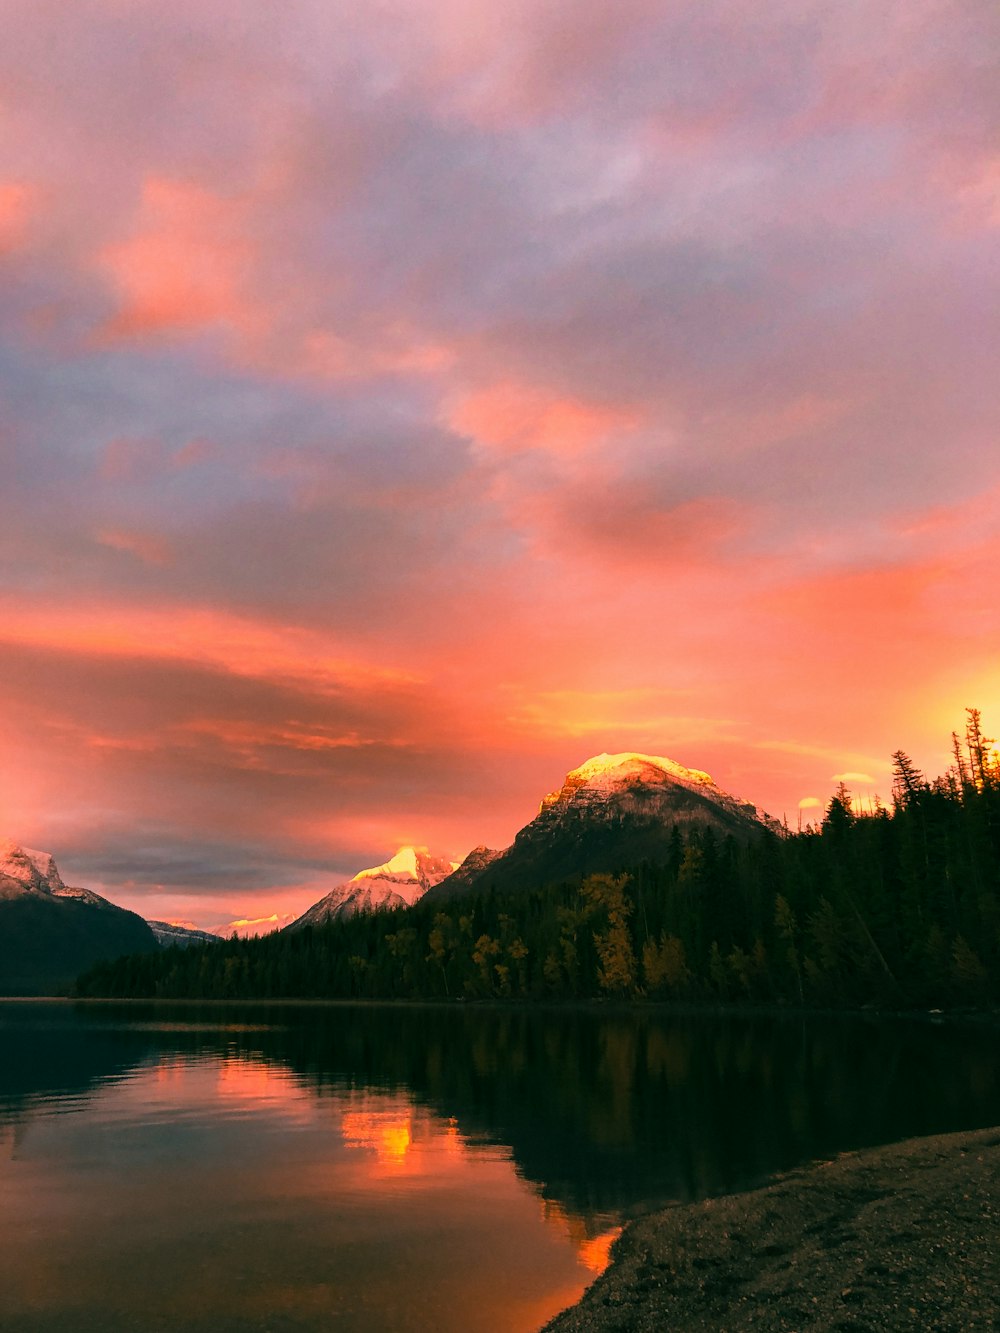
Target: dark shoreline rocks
<point>905,1237</point>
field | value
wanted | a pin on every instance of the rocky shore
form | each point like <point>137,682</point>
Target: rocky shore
<point>905,1237</point>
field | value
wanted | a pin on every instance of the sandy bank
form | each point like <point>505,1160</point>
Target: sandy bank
<point>903,1237</point>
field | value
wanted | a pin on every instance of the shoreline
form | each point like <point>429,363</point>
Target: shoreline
<point>987,1016</point>
<point>900,1238</point>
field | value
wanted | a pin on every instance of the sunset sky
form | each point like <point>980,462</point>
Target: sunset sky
<point>404,401</point>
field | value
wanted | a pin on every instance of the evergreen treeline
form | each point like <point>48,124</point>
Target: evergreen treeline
<point>897,907</point>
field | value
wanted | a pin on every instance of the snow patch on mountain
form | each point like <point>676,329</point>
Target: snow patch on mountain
<point>613,768</point>
<point>170,932</point>
<point>26,871</point>
<point>406,863</point>
<point>34,871</point>
<point>611,778</point>
<point>611,813</point>
<point>399,882</point>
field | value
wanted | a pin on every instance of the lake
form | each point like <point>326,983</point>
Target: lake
<point>365,1167</point>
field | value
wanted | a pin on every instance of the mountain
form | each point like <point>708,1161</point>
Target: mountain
<point>167,934</point>
<point>468,871</point>
<point>399,883</point>
<point>51,931</point>
<point>23,871</point>
<point>611,813</point>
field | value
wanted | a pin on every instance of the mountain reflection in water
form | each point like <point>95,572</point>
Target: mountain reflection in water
<point>175,1167</point>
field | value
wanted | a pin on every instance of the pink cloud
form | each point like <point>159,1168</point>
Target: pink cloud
<point>195,634</point>
<point>186,264</point>
<point>514,417</point>
<point>16,204</point>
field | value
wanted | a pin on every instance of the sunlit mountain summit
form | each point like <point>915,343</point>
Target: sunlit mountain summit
<point>617,780</point>
<point>400,882</point>
<point>612,812</point>
<point>50,930</point>
<point>27,873</point>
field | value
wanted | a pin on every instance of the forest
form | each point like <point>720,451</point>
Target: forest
<point>895,906</point>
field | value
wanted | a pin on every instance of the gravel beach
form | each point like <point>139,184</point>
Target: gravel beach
<point>901,1237</point>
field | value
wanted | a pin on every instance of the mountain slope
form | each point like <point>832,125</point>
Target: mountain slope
<point>612,812</point>
<point>50,931</point>
<point>467,872</point>
<point>168,934</point>
<point>400,882</point>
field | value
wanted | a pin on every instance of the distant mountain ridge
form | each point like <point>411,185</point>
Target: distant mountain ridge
<point>400,882</point>
<point>167,933</point>
<point>612,812</point>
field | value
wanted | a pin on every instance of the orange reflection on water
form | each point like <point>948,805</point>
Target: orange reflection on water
<point>250,1078</point>
<point>595,1253</point>
<point>169,1070</point>
<point>390,1139</point>
<point>401,1135</point>
<point>593,1248</point>
<point>322,1204</point>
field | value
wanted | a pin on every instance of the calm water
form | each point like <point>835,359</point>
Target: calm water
<point>379,1168</point>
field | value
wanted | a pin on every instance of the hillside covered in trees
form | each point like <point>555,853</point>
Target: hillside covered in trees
<point>898,907</point>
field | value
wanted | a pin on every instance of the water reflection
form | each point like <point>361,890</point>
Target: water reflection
<point>396,1168</point>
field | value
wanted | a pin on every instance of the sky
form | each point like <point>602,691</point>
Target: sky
<point>403,402</point>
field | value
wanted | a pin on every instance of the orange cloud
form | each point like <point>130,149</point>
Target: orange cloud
<point>642,711</point>
<point>191,264</point>
<point>861,611</point>
<point>15,210</point>
<point>186,265</point>
<point>250,736</point>
<point>230,642</point>
<point>513,417</point>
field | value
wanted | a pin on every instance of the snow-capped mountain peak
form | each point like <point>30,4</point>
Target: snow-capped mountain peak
<point>403,863</point>
<point>632,777</point>
<point>398,882</point>
<point>415,863</point>
<point>615,770</point>
<point>33,871</point>
<point>25,871</point>
<point>51,931</point>
<point>611,813</point>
